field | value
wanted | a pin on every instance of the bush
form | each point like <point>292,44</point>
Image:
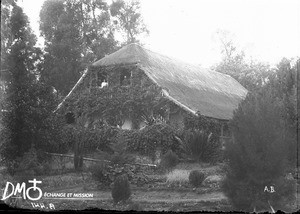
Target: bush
<point>258,156</point>
<point>249,194</point>
<point>121,189</point>
<point>201,146</point>
<point>196,178</point>
<point>100,172</point>
<point>143,141</point>
<point>56,138</point>
<point>43,137</point>
<point>105,174</point>
<point>29,164</point>
<point>120,156</point>
<point>90,139</point>
<point>146,141</point>
<point>169,160</point>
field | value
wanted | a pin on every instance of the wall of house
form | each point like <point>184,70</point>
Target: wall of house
<point>138,77</point>
<point>113,78</point>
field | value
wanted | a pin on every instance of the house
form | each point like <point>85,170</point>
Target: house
<point>188,88</point>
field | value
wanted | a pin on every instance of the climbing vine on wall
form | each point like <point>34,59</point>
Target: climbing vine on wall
<point>115,103</point>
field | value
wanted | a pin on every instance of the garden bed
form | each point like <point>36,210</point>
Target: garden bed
<point>160,192</point>
<point>163,191</point>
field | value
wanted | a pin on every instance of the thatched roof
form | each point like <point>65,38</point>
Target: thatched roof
<point>211,93</point>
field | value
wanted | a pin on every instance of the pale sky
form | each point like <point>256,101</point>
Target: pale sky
<point>266,30</point>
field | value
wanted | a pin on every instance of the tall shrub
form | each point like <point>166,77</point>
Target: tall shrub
<point>28,100</point>
<point>258,155</point>
<point>121,190</point>
<point>147,140</point>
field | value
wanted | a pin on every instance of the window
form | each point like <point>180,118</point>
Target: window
<point>226,130</point>
<point>125,77</point>
<point>102,79</point>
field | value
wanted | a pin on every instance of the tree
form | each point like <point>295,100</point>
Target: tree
<point>17,80</point>
<point>26,98</point>
<point>76,34</point>
<point>297,67</point>
<point>128,20</point>
<point>6,41</point>
<point>261,154</point>
<point>96,29</point>
<point>6,38</point>
<point>62,66</point>
<point>284,87</point>
<point>252,75</point>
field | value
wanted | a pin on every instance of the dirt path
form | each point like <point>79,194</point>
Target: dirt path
<point>159,200</point>
<point>174,197</point>
<point>152,196</point>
